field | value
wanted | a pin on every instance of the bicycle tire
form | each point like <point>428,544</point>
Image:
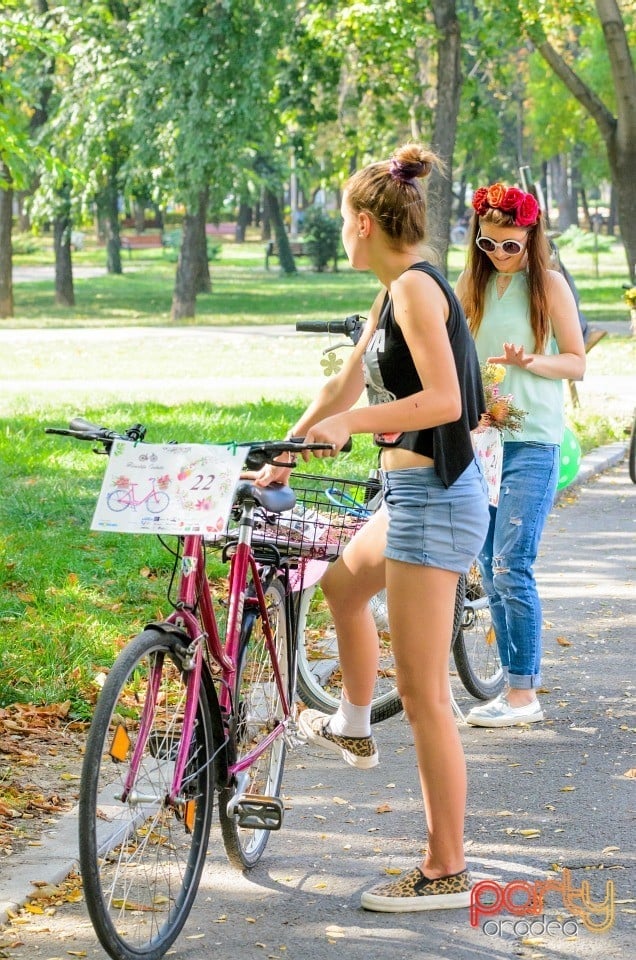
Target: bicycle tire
<point>319,678</point>
<point>141,859</point>
<point>632,452</point>
<point>257,709</point>
<point>475,649</point>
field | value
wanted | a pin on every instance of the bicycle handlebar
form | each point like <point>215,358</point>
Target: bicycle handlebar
<point>351,326</point>
<point>258,454</point>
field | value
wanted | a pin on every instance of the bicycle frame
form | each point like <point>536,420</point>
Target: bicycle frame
<point>194,594</point>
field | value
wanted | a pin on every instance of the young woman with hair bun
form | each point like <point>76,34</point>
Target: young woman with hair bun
<point>417,361</point>
<point>522,315</point>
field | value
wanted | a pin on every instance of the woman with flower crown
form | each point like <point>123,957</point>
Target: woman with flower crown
<point>419,365</point>
<point>522,315</point>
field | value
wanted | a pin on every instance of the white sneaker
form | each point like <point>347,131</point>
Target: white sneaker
<point>499,713</point>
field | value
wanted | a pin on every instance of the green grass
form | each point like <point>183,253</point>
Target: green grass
<point>69,597</point>
<point>243,292</point>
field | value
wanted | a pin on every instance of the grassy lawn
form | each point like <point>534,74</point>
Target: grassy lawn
<point>70,598</point>
<point>244,293</point>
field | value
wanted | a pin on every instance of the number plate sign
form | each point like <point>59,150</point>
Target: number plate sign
<point>167,488</point>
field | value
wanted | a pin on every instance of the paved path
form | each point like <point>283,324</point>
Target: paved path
<point>173,365</point>
<point>37,274</point>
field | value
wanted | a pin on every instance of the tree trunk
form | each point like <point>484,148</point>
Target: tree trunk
<point>6,249</point>
<point>448,93</point>
<point>285,256</point>
<point>202,282</point>
<point>110,213</point>
<point>64,293</point>
<point>140,216</point>
<point>184,296</point>
<point>266,217</point>
<point>243,221</point>
<point>559,178</point>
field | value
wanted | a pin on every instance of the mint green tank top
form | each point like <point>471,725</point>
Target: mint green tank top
<point>507,320</point>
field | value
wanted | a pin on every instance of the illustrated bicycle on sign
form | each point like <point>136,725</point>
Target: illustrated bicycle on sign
<point>124,496</point>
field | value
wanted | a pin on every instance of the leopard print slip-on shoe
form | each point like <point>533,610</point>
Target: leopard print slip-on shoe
<point>414,891</point>
<point>361,752</point>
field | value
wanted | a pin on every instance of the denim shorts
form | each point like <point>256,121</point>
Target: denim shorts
<point>432,525</point>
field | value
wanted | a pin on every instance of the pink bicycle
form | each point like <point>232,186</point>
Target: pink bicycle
<point>201,703</point>
<point>124,496</point>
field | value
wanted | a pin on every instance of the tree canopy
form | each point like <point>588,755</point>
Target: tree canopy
<point>207,104</point>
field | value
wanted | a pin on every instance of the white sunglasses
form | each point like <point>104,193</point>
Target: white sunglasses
<point>510,247</point>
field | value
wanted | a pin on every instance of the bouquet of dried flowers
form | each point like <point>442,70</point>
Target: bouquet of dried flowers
<point>501,411</point>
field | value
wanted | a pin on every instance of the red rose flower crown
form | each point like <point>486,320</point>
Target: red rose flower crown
<point>523,206</point>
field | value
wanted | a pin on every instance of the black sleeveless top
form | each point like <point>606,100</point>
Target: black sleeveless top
<point>390,374</point>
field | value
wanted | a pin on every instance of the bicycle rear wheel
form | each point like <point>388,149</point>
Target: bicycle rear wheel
<point>257,711</point>
<point>475,649</point>
<point>319,676</point>
<point>140,855</point>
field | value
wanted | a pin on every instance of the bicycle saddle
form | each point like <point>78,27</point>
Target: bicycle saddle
<point>277,498</point>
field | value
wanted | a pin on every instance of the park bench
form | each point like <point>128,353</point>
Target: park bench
<point>141,241</point>
<point>297,248</point>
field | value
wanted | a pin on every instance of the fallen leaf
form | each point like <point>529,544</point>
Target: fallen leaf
<point>384,808</point>
<point>631,774</point>
<point>563,642</point>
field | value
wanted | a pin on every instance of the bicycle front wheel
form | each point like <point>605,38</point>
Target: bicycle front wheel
<point>258,710</point>
<point>475,649</point>
<point>319,675</point>
<point>141,855</point>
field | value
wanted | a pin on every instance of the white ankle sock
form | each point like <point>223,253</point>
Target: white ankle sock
<point>351,721</point>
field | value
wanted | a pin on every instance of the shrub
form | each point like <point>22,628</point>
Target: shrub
<point>585,242</point>
<point>322,236</point>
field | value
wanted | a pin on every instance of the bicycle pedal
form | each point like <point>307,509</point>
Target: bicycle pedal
<point>254,812</point>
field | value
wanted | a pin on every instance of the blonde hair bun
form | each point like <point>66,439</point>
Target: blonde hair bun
<point>411,161</point>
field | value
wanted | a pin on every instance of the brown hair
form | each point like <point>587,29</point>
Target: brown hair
<point>391,193</point>
<point>479,270</point>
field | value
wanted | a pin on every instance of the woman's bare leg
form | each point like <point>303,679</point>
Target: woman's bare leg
<point>348,585</point>
<point>421,603</point>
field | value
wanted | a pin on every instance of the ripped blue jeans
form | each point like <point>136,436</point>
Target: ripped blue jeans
<point>528,483</point>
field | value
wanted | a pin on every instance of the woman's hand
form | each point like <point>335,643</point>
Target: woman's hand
<point>271,473</point>
<point>331,430</point>
<point>513,356</point>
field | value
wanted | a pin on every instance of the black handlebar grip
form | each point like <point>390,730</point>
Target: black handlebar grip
<point>321,326</point>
